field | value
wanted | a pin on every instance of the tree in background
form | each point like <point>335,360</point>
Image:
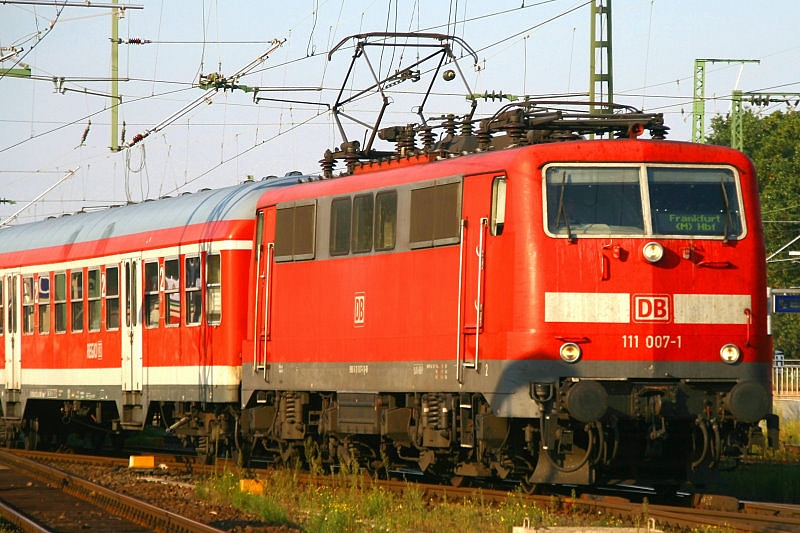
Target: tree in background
<point>773,143</point>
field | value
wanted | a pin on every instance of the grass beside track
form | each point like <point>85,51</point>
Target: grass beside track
<point>352,503</point>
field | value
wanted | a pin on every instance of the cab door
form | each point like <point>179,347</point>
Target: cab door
<point>131,324</point>
<point>12,338</point>
<point>476,228</point>
<point>265,256</point>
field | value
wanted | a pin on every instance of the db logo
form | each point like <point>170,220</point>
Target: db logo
<point>651,308</point>
<point>358,309</point>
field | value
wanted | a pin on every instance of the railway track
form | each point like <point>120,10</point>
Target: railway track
<point>42,498</point>
<point>697,512</point>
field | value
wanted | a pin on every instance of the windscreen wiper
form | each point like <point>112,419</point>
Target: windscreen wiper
<point>728,218</point>
<point>561,209</point>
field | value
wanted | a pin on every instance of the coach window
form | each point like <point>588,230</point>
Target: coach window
<point>435,215</point>
<point>340,226</point>
<point>95,306</point>
<point>294,232</point>
<point>172,292</point>
<point>194,298</point>
<point>361,238</point>
<point>213,290</point>
<point>76,299</point>
<point>2,308</point>
<point>151,294</point>
<point>385,220</point>
<point>27,305</point>
<point>112,297</point>
<point>61,302</point>
<point>43,302</point>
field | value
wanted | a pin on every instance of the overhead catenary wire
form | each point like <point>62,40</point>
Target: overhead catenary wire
<point>459,24</point>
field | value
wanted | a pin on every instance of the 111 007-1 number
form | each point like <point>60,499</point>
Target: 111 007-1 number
<point>651,341</point>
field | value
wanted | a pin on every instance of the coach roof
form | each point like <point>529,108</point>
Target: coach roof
<point>237,202</point>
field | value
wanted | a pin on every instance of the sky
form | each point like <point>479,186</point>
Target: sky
<point>55,140</point>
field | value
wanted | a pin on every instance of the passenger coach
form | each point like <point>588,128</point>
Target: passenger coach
<point>111,314</point>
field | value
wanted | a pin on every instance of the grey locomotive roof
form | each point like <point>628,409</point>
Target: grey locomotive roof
<point>230,203</point>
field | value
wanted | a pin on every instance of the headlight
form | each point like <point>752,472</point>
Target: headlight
<point>570,352</point>
<point>653,252</point>
<point>730,353</point>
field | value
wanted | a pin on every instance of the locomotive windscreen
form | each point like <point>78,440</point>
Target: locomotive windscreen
<point>694,201</point>
<point>685,201</point>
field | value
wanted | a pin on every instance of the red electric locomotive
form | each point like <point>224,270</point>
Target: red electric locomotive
<point>548,309</point>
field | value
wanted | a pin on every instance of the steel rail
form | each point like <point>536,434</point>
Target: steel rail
<point>118,504</point>
<point>21,521</point>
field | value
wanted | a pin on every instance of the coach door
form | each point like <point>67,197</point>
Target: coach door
<point>265,251</point>
<point>476,211</point>
<point>131,324</point>
<point>10,294</point>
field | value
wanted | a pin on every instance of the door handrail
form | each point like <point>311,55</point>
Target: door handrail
<point>460,331</point>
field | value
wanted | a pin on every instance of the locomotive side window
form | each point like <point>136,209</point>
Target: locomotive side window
<point>172,292</point>
<point>61,302</point>
<point>694,201</point>
<point>43,302</point>
<point>76,299</point>
<point>95,306</point>
<point>385,220</point>
<point>362,223</point>
<point>498,216</point>
<point>294,232</point>
<point>151,295</point>
<point>213,290</point>
<point>112,297</point>
<point>340,226</point>
<point>592,200</point>
<point>435,215</point>
<point>27,305</point>
<point>194,298</point>
<point>2,308</point>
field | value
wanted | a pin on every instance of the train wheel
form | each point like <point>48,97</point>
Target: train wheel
<point>205,455</point>
<point>31,439</point>
<point>527,487</point>
<point>574,449</point>
<point>10,437</point>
